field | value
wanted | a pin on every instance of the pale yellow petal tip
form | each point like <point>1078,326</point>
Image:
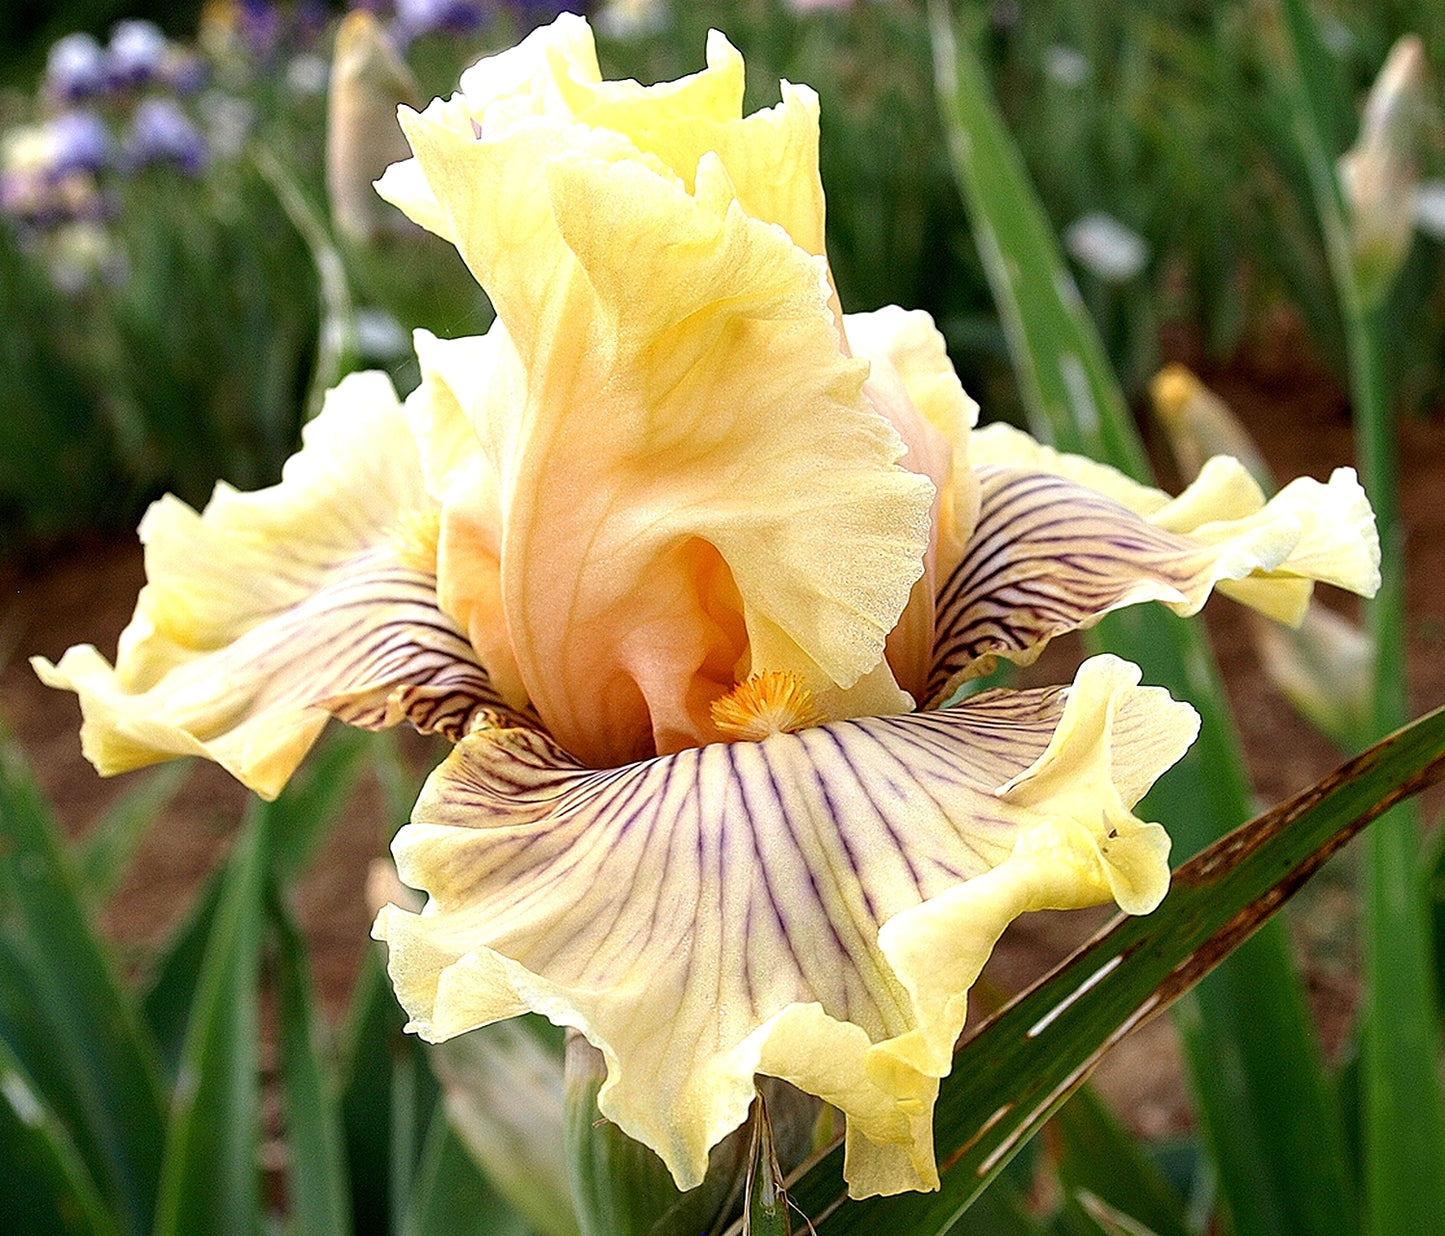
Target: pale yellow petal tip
<point>1355,560</point>
<point>773,702</point>
<point>1172,389</point>
<point>1321,533</point>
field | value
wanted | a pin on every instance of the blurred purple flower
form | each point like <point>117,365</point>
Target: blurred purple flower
<point>80,142</point>
<point>136,52</point>
<point>418,17</point>
<point>258,22</point>
<point>21,191</point>
<point>160,132</point>
<point>311,19</point>
<point>75,68</point>
<point>183,71</point>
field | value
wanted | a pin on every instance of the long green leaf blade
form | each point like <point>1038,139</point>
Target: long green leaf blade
<point>45,1189</point>
<point>1026,1060</point>
<point>450,1196</point>
<point>62,1010</point>
<point>1272,1123</point>
<point>765,1206</point>
<point>1403,1117</point>
<point>317,1189</point>
<point>209,1184</point>
<point>1097,1156</point>
<point>103,855</point>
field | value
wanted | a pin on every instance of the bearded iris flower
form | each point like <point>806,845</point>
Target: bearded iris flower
<point>687,564</point>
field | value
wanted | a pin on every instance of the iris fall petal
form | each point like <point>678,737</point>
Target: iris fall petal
<point>814,906</point>
<point>274,610</point>
<point>1062,541</point>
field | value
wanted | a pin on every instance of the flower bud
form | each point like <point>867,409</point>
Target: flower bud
<point>1325,667</point>
<point>1199,424</point>
<point>368,80</point>
<point>502,1085</point>
<point>1379,175</point>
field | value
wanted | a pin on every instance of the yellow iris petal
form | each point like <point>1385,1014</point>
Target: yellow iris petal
<point>814,905</point>
<point>693,486</point>
<point>1061,541</point>
<point>272,611</point>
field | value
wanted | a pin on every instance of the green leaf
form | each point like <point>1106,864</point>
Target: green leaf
<point>450,1196</point>
<point>45,1189</point>
<point>765,1209</point>
<point>387,1093</point>
<point>300,821</point>
<point>1272,1123</point>
<point>317,1190</point>
<point>62,1011</point>
<point>209,1183</point>
<point>1107,1220</point>
<point>103,855</point>
<point>176,971</point>
<point>315,797</point>
<point>1026,1060</point>
<point>1402,1113</point>
<point>1097,1156</point>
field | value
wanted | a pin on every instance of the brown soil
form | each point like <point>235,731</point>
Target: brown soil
<point>1296,414</point>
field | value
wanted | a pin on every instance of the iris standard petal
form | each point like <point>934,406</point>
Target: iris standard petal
<point>553,77</point>
<point>813,906</point>
<point>1052,554</point>
<point>912,383</point>
<point>694,486</point>
<point>274,610</point>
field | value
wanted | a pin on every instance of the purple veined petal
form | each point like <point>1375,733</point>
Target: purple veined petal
<point>274,610</point>
<point>369,647</point>
<point>1049,555</point>
<point>813,906</point>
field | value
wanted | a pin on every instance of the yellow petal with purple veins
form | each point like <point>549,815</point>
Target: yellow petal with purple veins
<point>274,610</point>
<point>814,905</point>
<point>1056,548</point>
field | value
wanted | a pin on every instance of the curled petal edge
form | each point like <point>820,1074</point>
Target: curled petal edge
<point>1073,849</point>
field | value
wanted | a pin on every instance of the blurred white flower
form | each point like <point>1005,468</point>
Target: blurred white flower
<point>1105,247</point>
<point>1430,209</point>
<point>306,74</point>
<point>227,119</point>
<point>631,19</point>
<point>1066,65</point>
<point>379,336</point>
